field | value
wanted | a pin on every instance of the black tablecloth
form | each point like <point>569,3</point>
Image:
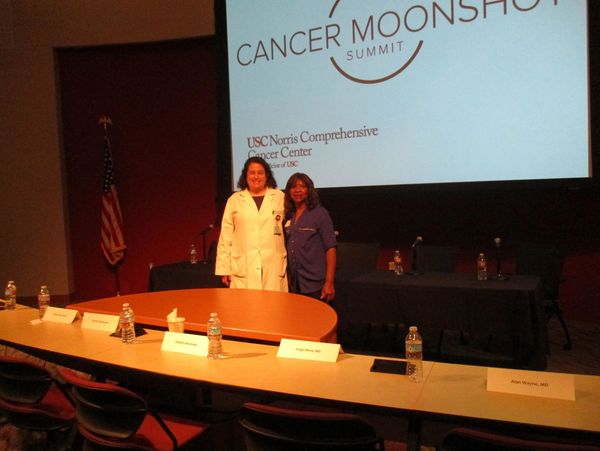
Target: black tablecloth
<point>509,312</point>
<point>182,275</point>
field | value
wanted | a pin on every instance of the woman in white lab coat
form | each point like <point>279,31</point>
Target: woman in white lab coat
<point>251,250</point>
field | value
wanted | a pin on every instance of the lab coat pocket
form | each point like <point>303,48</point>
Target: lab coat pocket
<point>238,265</point>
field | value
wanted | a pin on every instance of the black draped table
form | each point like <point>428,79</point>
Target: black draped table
<point>492,312</point>
<point>183,275</point>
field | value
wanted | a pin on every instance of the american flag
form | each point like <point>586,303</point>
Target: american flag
<point>112,242</point>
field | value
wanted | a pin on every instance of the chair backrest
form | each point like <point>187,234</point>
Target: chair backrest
<point>104,408</point>
<point>543,260</point>
<point>269,428</point>
<point>468,439</point>
<point>356,257</point>
<point>436,258</point>
<point>31,398</point>
<point>23,381</point>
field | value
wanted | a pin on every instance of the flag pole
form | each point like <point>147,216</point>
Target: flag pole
<point>106,121</point>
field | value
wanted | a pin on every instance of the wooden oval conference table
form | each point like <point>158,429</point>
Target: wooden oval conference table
<point>257,315</point>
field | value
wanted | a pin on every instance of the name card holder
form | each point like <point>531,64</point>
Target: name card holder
<point>100,321</point>
<point>185,343</point>
<point>531,383</point>
<point>308,350</point>
<point>60,315</point>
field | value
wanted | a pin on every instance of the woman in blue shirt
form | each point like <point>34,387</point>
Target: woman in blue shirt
<point>310,240</point>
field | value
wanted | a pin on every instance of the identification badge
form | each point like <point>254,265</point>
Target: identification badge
<point>277,216</point>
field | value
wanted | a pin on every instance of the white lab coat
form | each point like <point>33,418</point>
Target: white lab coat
<point>251,246</point>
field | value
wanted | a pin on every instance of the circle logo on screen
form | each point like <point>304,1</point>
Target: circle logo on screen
<point>378,45</point>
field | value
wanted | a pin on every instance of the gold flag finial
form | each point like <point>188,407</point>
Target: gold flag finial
<point>105,121</point>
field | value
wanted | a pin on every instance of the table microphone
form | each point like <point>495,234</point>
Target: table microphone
<point>417,242</point>
<point>207,228</point>
<point>203,233</point>
<point>499,276</point>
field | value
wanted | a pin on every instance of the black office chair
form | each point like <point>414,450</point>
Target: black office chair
<point>356,258</point>
<point>31,399</point>
<point>110,416</point>
<point>545,261</point>
<point>469,439</point>
<point>269,428</point>
<point>436,258</point>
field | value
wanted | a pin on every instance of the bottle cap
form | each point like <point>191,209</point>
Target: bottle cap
<point>412,328</point>
<point>213,315</point>
<point>125,304</point>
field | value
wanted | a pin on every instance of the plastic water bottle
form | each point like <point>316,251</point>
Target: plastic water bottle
<point>10,295</point>
<point>43,300</point>
<point>414,355</point>
<point>193,254</point>
<point>214,333</point>
<point>127,322</point>
<point>398,269</point>
<point>481,267</point>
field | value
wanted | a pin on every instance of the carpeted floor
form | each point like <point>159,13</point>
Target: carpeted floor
<point>13,439</point>
<point>584,358</point>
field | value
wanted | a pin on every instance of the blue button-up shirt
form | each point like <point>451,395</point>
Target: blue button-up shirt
<point>307,241</point>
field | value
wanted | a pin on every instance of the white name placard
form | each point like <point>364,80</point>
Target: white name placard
<point>100,321</point>
<point>60,315</point>
<point>308,350</point>
<point>185,343</point>
<point>531,383</point>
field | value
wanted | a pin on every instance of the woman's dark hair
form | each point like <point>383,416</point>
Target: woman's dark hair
<point>243,183</point>
<point>312,200</point>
